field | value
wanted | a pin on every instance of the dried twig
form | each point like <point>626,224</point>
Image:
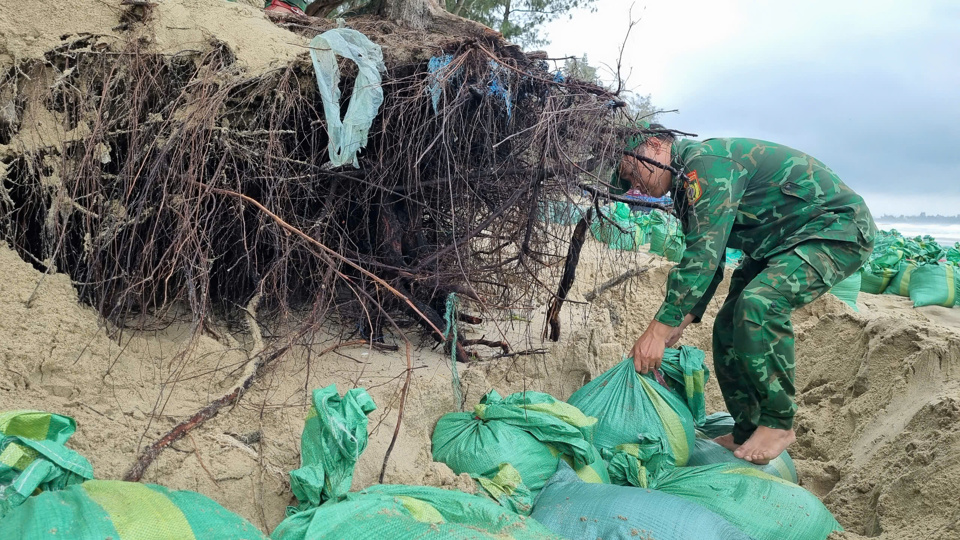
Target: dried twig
<point>632,273</point>
<point>403,401</point>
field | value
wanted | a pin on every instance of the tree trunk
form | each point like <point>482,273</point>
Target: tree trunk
<point>418,14</point>
<point>430,15</point>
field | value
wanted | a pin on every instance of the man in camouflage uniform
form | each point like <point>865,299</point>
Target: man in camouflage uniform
<point>802,231</point>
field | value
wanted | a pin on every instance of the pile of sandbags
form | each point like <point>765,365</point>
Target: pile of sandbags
<point>622,229</point>
<point>334,436</point>
<point>918,268</point>
<point>664,477</point>
<point>47,491</point>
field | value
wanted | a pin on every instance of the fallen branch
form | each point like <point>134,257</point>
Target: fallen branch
<point>528,352</point>
<point>180,431</point>
<point>552,325</point>
<point>632,273</point>
<point>403,401</point>
<point>502,345</point>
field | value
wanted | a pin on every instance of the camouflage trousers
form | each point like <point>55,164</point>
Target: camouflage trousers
<point>753,342</point>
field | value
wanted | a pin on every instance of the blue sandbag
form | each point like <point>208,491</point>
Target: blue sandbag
<point>574,509</point>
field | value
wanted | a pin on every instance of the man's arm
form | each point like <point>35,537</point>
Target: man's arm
<point>722,183</point>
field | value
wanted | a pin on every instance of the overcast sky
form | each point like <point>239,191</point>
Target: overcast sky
<point>870,87</point>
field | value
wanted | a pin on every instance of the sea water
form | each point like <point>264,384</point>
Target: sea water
<point>946,234</point>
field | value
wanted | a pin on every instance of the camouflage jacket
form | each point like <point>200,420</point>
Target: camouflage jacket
<point>757,196</point>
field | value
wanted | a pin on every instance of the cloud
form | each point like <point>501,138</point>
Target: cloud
<point>871,91</point>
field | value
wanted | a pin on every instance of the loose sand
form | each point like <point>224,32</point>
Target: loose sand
<point>879,390</point>
<point>878,431</point>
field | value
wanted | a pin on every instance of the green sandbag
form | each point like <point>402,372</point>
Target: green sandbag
<point>934,285</point>
<point>397,512</point>
<point>848,290</point>
<point>620,228</point>
<point>33,457</point>
<point>715,425</point>
<point>507,489</point>
<point>100,509</point>
<point>37,425</point>
<point>900,284</point>
<point>666,236</point>
<point>953,254</point>
<point>334,435</point>
<point>634,408</point>
<point>574,509</point>
<point>685,371</point>
<point>531,431</point>
<point>875,280</point>
<point>763,506</point>
<point>562,212</point>
<point>707,452</point>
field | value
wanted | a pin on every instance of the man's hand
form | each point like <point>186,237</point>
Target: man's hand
<point>677,332</point>
<point>647,352</point>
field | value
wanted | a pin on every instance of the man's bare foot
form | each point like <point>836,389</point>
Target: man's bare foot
<point>726,441</point>
<point>765,444</point>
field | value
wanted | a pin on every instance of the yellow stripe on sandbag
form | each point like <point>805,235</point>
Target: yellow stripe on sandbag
<point>589,475</point>
<point>672,425</point>
<point>138,512</point>
<point>421,511</point>
<point>781,466</point>
<point>25,423</point>
<point>748,471</point>
<point>17,456</point>
<point>951,287</point>
<point>905,281</point>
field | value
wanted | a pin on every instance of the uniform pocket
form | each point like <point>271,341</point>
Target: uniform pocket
<point>834,261</point>
<point>801,191</point>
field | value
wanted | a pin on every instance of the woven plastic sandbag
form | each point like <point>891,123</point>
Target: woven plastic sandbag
<point>934,285</point>
<point>923,249</point>
<point>620,228</point>
<point>33,456</point>
<point>397,512</point>
<point>900,284</point>
<point>349,135</point>
<point>37,425</point>
<point>658,231</point>
<point>715,425</point>
<point>707,452</point>
<point>562,212</point>
<point>953,254</point>
<point>875,280</point>
<point>848,290</point>
<point>762,506</point>
<point>507,489</point>
<point>574,509</point>
<point>101,509</point>
<point>531,431</point>
<point>334,435</point>
<point>632,408</point>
